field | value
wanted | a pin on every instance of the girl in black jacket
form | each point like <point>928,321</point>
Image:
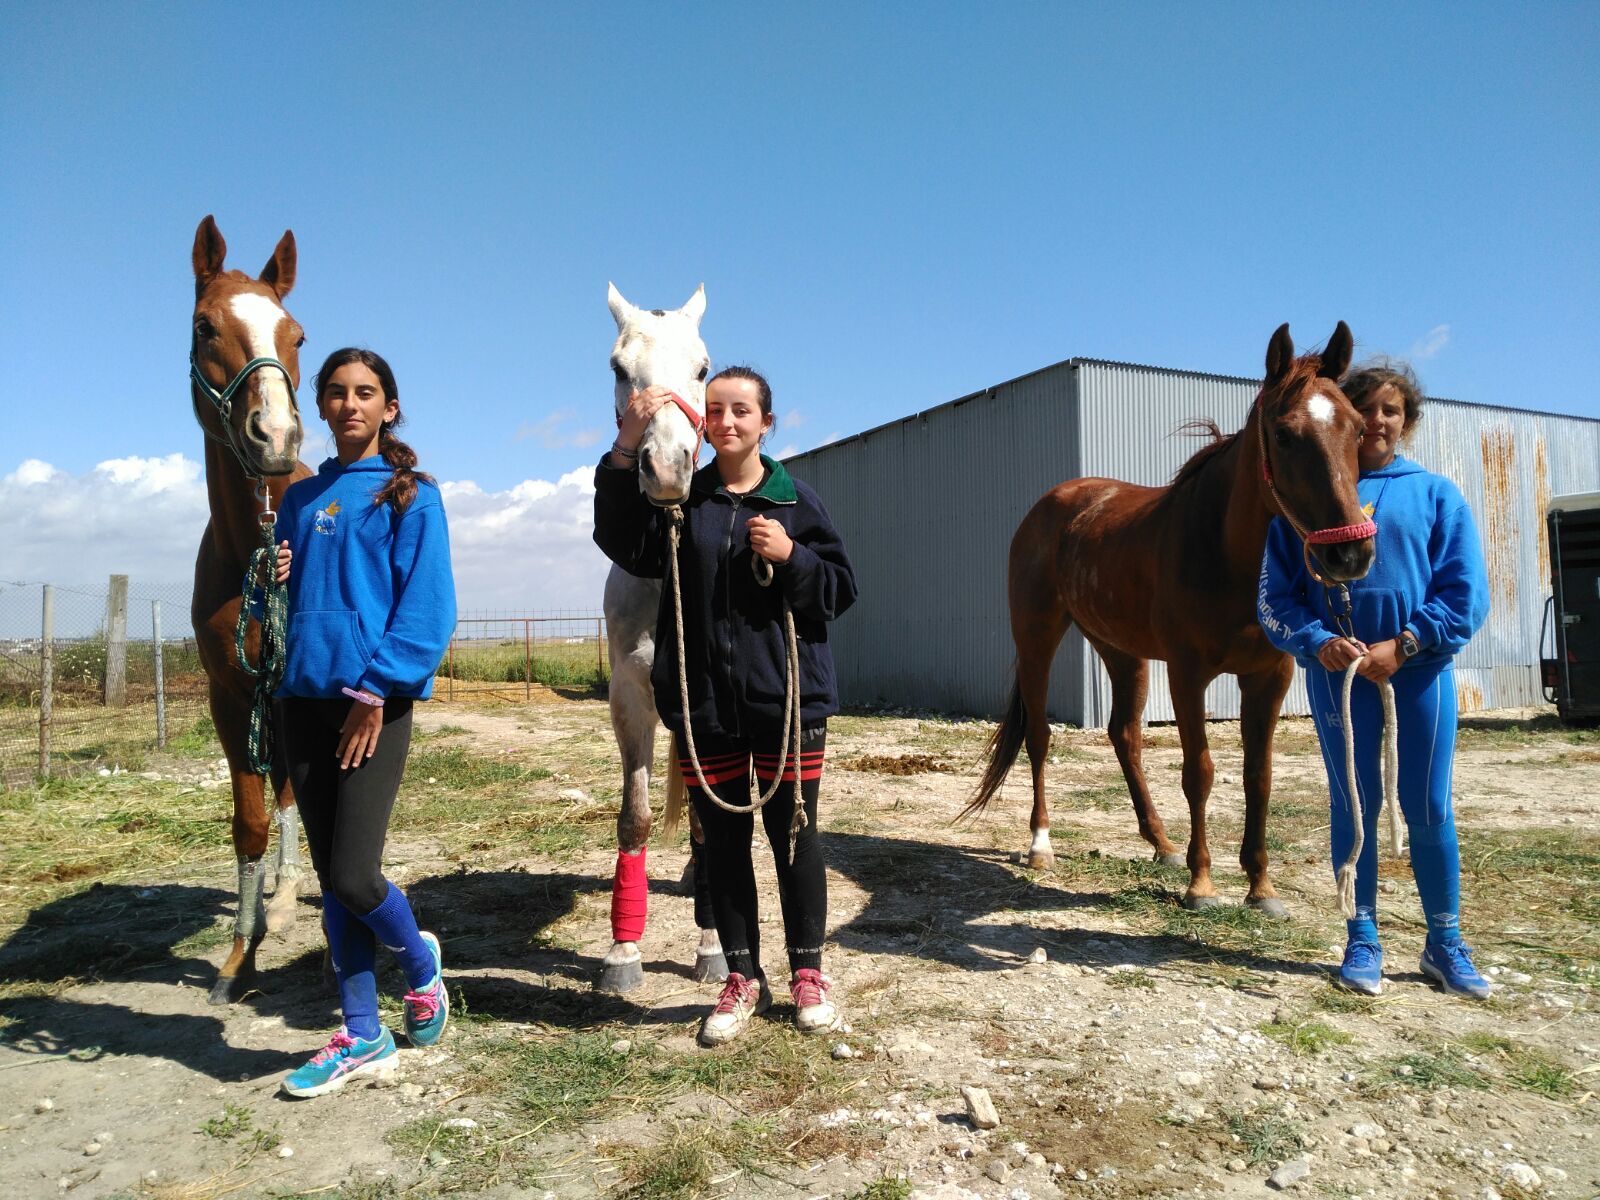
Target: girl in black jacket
<point>741,505</point>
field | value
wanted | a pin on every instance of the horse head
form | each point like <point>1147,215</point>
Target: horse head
<point>663,349</point>
<point>1308,433</point>
<point>245,356</point>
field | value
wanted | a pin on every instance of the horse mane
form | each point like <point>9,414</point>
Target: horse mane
<point>1301,371</point>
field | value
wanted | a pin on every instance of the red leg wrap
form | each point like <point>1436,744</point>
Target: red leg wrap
<point>630,897</point>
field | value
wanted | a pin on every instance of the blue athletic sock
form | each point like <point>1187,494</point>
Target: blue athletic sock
<point>1436,862</point>
<point>1364,928</point>
<point>396,927</point>
<point>355,955</point>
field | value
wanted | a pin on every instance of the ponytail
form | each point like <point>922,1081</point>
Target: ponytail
<point>401,489</point>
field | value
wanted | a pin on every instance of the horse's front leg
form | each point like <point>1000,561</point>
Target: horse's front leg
<point>238,973</point>
<point>1261,699</point>
<point>633,718</point>
<point>1189,705</point>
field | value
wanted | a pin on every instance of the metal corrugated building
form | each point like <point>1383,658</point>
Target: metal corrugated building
<point>927,506</point>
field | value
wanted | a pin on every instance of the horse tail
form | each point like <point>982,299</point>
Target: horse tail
<point>677,793</point>
<point>1002,750</point>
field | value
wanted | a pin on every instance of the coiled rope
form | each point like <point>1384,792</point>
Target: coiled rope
<point>1391,771</point>
<point>791,694</point>
<point>261,575</point>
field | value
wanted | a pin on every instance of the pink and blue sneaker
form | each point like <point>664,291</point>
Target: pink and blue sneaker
<point>1450,966</point>
<point>344,1057</point>
<point>428,1009</point>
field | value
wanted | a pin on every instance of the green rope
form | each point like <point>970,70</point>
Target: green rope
<point>262,575</point>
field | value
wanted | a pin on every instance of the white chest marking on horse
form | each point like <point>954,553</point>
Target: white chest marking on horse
<point>1321,409</point>
<point>260,318</point>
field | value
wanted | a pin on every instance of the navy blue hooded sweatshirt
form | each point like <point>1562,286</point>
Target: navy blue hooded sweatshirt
<point>1428,575</point>
<point>372,601</point>
<point>733,627</point>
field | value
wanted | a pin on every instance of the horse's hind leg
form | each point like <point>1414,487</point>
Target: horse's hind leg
<point>1130,684</point>
<point>710,965</point>
<point>1189,705</point>
<point>1261,699</point>
<point>238,972</point>
<point>1036,650</point>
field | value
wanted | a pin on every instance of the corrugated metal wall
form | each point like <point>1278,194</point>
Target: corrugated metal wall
<point>927,506</point>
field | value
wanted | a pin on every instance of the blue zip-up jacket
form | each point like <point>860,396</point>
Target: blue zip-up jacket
<point>733,631</point>
<point>1427,576</point>
<point>372,602</point>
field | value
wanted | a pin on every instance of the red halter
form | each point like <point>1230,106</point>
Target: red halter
<point>697,422</point>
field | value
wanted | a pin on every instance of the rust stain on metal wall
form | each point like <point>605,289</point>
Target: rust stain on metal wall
<point>1499,447</point>
<point>1541,503</point>
<point>1469,698</point>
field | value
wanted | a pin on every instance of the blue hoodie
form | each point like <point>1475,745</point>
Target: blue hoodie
<point>1427,576</point>
<point>372,602</point>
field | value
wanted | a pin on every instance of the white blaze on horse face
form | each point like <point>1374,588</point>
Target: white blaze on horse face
<point>260,317</point>
<point>1321,409</point>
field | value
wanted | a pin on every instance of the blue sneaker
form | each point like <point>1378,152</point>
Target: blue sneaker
<point>428,1011</point>
<point>1450,966</point>
<point>1362,969</point>
<point>344,1057</point>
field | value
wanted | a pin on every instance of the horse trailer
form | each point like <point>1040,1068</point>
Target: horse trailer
<point>1569,642</point>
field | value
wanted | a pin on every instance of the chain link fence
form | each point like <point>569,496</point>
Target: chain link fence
<point>93,677</point>
<point>508,655</point>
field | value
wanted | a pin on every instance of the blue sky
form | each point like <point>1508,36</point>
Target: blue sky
<point>890,205</point>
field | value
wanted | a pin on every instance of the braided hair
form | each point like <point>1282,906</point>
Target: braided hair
<point>401,488</point>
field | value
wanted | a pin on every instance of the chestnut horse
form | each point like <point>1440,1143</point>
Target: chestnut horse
<point>1171,573</point>
<point>244,370</point>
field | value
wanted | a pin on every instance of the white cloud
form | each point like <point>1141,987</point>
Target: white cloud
<point>550,433</point>
<point>788,451</point>
<point>1431,342</point>
<point>526,548</point>
<point>791,418</point>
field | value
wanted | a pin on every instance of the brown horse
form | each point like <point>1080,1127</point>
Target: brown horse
<point>1171,573</point>
<point>245,368</point>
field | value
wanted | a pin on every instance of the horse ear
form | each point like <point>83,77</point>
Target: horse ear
<point>279,272</point>
<point>209,252</point>
<point>621,310</point>
<point>1336,356</point>
<point>695,306</point>
<point>1280,354</point>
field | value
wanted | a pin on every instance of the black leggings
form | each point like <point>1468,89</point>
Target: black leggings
<point>726,860</point>
<point>345,813</point>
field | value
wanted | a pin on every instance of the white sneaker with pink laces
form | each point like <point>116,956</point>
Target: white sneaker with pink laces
<point>741,999</point>
<point>813,1011</point>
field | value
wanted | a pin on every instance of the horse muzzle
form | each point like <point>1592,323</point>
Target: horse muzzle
<point>1345,561</point>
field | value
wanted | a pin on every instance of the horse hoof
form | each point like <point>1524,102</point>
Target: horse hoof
<point>1041,860</point>
<point>1174,860</point>
<point>1270,907</point>
<point>620,978</point>
<point>282,910</point>
<point>230,989</point>
<point>710,968</point>
<point>1201,903</point>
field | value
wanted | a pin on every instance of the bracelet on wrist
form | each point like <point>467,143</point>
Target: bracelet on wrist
<point>617,449</point>
<point>364,696</point>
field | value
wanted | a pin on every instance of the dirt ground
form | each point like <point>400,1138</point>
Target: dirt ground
<point>1131,1048</point>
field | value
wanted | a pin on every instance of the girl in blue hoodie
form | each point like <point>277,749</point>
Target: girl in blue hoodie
<point>371,609</point>
<point>1419,605</point>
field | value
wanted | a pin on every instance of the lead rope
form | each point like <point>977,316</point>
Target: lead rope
<point>262,574</point>
<point>762,570</point>
<point>1391,770</point>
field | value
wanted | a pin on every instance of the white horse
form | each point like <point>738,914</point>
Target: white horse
<point>653,348</point>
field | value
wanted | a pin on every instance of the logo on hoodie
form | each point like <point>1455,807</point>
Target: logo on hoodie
<point>325,521</point>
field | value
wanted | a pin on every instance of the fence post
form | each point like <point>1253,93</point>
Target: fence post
<point>47,672</point>
<point>161,690</point>
<point>116,693</point>
<point>527,662</point>
<point>450,658</point>
<point>599,653</point>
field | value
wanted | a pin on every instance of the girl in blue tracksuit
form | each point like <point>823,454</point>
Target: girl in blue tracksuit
<point>371,609</point>
<point>1419,605</point>
<point>739,506</point>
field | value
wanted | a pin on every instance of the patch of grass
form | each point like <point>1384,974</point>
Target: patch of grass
<point>236,1121</point>
<point>1534,1072</point>
<point>457,768</point>
<point>885,1187</point>
<point>1225,929</point>
<point>683,1168</point>
<point>1306,1038</point>
<point>1337,1000</point>
<point>1137,978</point>
<point>203,940</point>
<point>199,740</point>
<point>1265,1135</point>
<point>1428,1070</point>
